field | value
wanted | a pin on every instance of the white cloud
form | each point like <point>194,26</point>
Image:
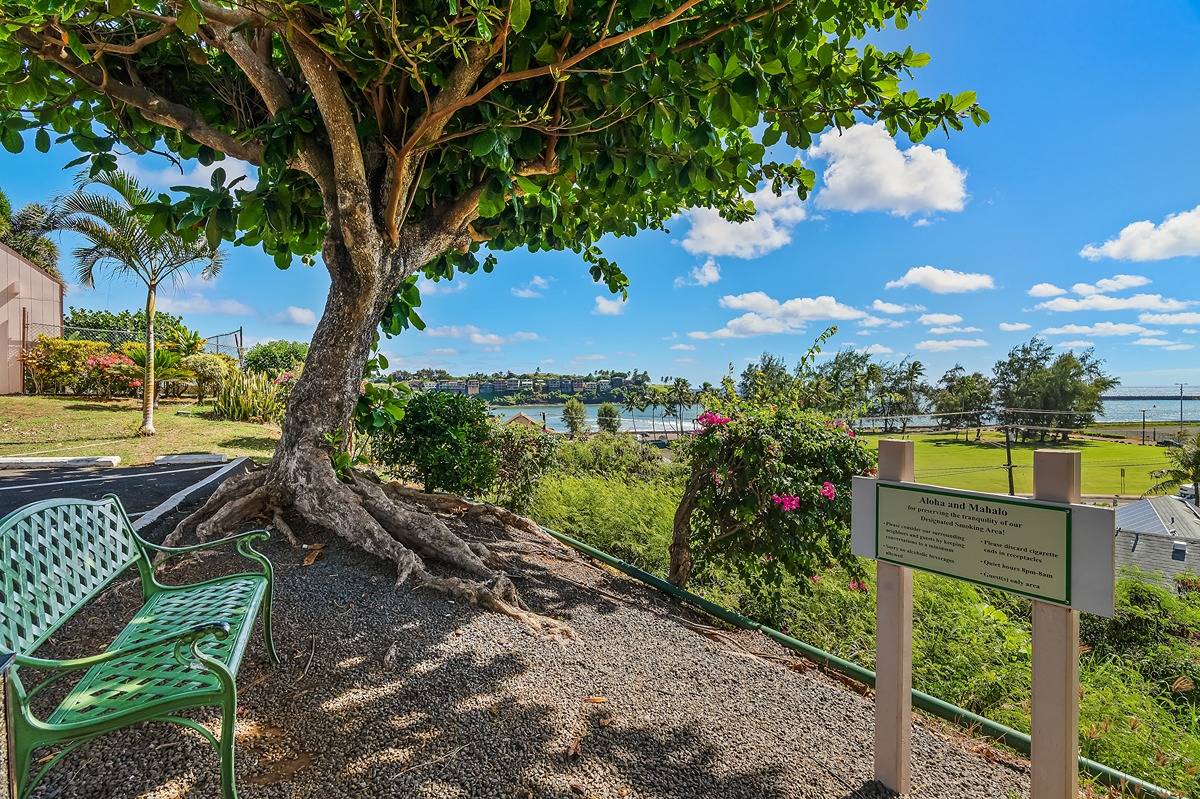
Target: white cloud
<point>608,307</point>
<point>1103,302</point>
<point>1190,318</point>
<point>445,351</point>
<point>942,281</point>
<point>683,347</point>
<point>157,173</point>
<point>1190,331</point>
<point>531,290</point>
<point>1013,327</point>
<point>1110,284</point>
<point>1046,290</point>
<point>766,315</point>
<point>939,319</point>
<point>867,171</point>
<point>876,349</point>
<point>199,304</point>
<point>947,329</point>
<point>705,274</point>
<point>949,344</point>
<point>879,321</point>
<point>1162,343</point>
<point>592,357</point>
<point>1074,344</point>
<point>1102,329</point>
<point>893,308</point>
<point>484,338</point>
<point>294,315</point>
<point>428,287</point>
<point>1178,234</point>
<point>770,229</point>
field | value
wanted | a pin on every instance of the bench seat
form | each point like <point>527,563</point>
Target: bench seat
<point>155,680</point>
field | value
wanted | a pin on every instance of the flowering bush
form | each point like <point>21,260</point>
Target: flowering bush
<point>59,365</point>
<point>523,456</point>
<point>768,494</point>
<point>208,371</point>
<point>108,374</point>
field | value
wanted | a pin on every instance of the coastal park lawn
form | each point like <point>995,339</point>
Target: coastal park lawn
<point>952,461</point>
<point>73,426</point>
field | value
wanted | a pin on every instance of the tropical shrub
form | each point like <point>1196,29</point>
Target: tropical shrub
<point>249,397</point>
<point>109,375</point>
<point>208,371</point>
<point>275,357</point>
<point>608,418</point>
<point>620,456</point>
<point>523,456</point>
<point>170,375</point>
<point>444,440</point>
<point>768,494</point>
<point>120,323</point>
<point>58,365</point>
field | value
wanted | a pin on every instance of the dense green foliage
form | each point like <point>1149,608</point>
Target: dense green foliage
<point>608,418</point>
<point>208,371</point>
<point>574,416</point>
<point>1183,468</point>
<point>523,456</point>
<point>59,365</point>
<point>121,321</point>
<point>273,358</point>
<point>1033,377</point>
<point>442,439</point>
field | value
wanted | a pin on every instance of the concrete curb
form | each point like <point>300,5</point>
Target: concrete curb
<point>154,514</point>
<point>197,457</point>
<point>19,462</point>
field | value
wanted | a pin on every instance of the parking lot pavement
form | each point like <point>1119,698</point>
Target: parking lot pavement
<point>140,488</point>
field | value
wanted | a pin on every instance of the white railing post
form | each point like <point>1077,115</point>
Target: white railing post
<point>893,634</point>
<point>1055,724</point>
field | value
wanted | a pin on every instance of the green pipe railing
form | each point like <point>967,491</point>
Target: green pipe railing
<point>931,704</point>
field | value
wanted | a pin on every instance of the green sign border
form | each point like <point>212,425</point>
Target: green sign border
<point>988,498</point>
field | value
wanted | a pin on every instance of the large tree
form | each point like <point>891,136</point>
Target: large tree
<point>394,139</point>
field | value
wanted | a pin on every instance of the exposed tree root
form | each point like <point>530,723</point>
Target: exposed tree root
<point>387,521</point>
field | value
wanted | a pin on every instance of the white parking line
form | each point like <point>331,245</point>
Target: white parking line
<point>142,475</point>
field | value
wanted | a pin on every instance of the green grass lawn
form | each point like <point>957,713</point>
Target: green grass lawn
<point>942,459</point>
<point>68,426</point>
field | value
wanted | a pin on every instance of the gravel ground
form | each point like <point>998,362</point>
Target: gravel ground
<point>389,692</point>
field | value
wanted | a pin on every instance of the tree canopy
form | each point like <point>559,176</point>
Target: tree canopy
<point>455,122</point>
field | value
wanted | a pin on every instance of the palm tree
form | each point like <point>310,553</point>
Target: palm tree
<point>651,399</point>
<point>681,396</point>
<point>117,240</point>
<point>634,401</point>
<point>25,234</point>
<point>1184,468</point>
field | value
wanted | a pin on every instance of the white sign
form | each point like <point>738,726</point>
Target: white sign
<point>1056,553</point>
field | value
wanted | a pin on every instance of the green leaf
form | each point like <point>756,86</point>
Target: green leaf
<point>12,141</point>
<point>527,186</point>
<point>119,7</point>
<point>188,19</point>
<point>560,7</point>
<point>484,143</point>
<point>78,49</point>
<point>42,141</point>
<point>963,101</point>
<point>520,15</point>
<point>916,60</point>
<point>773,67</point>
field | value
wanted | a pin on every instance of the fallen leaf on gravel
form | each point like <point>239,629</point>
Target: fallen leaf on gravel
<point>595,700</point>
<point>579,789</point>
<point>607,721</point>
<point>389,657</point>
<point>576,747</point>
<point>314,552</point>
<point>282,769</point>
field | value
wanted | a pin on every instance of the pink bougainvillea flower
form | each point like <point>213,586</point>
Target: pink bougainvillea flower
<point>857,585</point>
<point>871,472</point>
<point>828,490</point>
<point>850,432</point>
<point>786,502</point>
<point>814,578</point>
<point>711,419</point>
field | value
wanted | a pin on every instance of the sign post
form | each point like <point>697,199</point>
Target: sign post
<point>1051,549</point>
<point>893,658</point>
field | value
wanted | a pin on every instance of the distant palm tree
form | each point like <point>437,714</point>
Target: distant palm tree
<point>681,396</point>
<point>117,240</point>
<point>634,401</point>
<point>25,234</point>
<point>1184,468</point>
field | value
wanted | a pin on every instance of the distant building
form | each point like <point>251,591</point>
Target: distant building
<point>617,382</point>
<point>589,385</point>
<point>485,387</point>
<point>603,385</point>
<point>472,387</point>
<point>1159,534</point>
<point>525,385</point>
<point>523,420</point>
<point>553,384</point>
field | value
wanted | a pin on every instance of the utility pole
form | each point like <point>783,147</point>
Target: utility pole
<point>1181,385</point>
<point>1012,491</point>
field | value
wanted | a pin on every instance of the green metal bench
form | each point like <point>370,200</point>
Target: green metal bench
<point>181,650</point>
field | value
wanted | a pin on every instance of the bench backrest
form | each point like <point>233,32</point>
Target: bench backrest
<point>56,555</point>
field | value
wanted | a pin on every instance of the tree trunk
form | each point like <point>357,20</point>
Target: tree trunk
<point>148,387</point>
<point>300,480</point>
<point>681,538</point>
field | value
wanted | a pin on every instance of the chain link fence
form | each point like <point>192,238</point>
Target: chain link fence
<point>226,344</point>
<point>113,338</point>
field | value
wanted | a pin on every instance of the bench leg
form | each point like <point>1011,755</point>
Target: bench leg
<point>21,757</point>
<point>268,640</point>
<point>228,719</point>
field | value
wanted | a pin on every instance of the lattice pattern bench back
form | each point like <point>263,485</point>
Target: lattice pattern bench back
<point>56,555</point>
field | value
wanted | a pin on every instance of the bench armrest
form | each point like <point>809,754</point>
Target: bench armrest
<point>169,552</point>
<point>191,635</point>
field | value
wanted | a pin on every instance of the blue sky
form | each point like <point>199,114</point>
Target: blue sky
<point>1086,184</point>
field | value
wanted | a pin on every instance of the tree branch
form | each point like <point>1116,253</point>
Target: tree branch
<point>717,31</point>
<point>153,106</point>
